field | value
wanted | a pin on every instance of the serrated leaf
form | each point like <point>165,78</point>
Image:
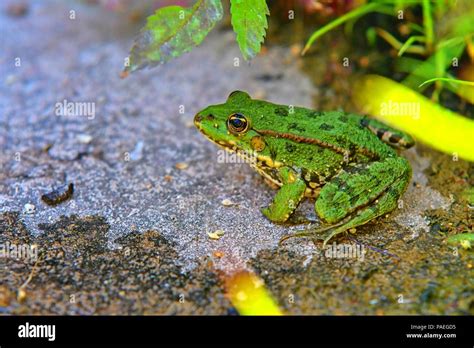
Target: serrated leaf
<point>249,20</point>
<point>172,31</point>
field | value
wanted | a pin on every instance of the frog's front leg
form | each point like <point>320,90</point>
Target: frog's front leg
<point>353,199</point>
<point>287,198</point>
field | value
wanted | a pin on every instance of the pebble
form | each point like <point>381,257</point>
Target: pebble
<point>181,165</point>
<point>21,295</point>
<point>216,235</point>
<point>84,138</point>
<point>227,202</point>
<point>137,153</point>
<point>29,208</point>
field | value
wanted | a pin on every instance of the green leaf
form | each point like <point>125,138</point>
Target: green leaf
<point>172,31</point>
<point>249,20</point>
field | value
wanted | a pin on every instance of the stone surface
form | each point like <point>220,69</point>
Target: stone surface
<point>138,164</point>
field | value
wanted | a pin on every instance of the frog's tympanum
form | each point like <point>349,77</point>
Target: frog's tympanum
<point>346,161</point>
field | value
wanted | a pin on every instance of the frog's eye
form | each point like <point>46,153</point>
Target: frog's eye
<point>237,124</point>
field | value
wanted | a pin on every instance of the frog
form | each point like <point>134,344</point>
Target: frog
<point>348,163</point>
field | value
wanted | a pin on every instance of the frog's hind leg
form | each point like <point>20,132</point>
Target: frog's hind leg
<point>353,199</point>
<point>385,203</point>
<point>387,134</point>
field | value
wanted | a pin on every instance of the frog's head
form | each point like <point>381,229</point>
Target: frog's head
<point>230,124</point>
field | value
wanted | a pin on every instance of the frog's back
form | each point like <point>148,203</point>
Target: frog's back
<point>336,129</point>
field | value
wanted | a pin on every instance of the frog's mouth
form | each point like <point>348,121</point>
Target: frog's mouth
<point>228,145</point>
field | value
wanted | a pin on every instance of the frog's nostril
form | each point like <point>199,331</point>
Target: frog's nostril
<point>210,117</point>
<point>197,118</point>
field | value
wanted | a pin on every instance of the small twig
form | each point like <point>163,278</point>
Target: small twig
<point>30,277</point>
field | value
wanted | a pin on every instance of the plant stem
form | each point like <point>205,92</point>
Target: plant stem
<point>428,25</point>
<point>397,44</point>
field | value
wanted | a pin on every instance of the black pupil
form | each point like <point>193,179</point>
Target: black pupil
<point>238,121</point>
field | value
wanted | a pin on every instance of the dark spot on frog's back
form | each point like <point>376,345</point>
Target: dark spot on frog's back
<point>295,126</point>
<point>343,119</point>
<point>326,127</point>
<point>281,111</point>
<point>314,114</point>
<point>290,147</point>
<point>364,123</point>
<point>392,192</point>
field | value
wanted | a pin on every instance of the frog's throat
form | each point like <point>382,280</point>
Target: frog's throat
<point>254,159</point>
<point>260,163</point>
<point>300,139</point>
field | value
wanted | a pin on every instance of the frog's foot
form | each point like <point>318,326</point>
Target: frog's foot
<point>353,199</point>
<point>321,233</point>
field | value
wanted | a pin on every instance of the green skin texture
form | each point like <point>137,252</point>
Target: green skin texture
<point>355,176</point>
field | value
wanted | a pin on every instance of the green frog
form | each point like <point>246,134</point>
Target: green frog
<point>347,162</point>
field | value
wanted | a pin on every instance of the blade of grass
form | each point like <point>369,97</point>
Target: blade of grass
<point>392,41</point>
<point>428,24</point>
<point>427,69</point>
<point>416,27</point>
<point>450,42</point>
<point>408,43</point>
<point>358,12</point>
<point>461,82</point>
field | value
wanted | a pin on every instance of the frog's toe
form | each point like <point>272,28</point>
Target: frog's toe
<point>273,215</point>
<point>266,212</point>
<point>323,233</point>
<point>327,236</point>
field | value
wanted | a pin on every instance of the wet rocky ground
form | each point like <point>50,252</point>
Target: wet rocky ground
<point>148,188</point>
